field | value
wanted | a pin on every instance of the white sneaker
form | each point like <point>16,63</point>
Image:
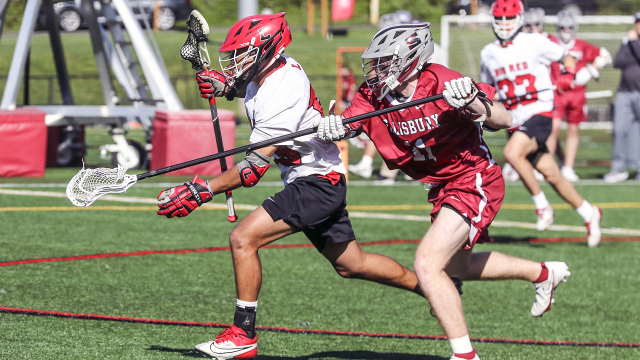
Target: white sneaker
<point>569,174</point>
<point>558,272</point>
<point>509,173</point>
<point>545,218</point>
<point>454,357</point>
<point>538,176</point>
<point>616,177</point>
<point>593,228</point>
<point>384,181</point>
<point>361,170</point>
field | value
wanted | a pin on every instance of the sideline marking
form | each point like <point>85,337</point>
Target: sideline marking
<point>353,214</point>
<point>309,331</point>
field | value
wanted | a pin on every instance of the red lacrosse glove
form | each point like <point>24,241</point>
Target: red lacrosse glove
<point>181,200</point>
<point>566,80</point>
<point>212,83</point>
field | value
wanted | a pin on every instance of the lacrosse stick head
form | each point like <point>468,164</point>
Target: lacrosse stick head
<point>89,184</point>
<point>194,49</point>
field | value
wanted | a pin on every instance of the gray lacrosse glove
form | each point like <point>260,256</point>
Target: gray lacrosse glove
<point>460,92</point>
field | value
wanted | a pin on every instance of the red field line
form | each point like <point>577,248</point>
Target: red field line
<point>308,331</point>
<point>183,251</point>
<point>284,246</point>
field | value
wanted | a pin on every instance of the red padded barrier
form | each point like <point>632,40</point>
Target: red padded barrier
<point>179,136</point>
<point>23,143</point>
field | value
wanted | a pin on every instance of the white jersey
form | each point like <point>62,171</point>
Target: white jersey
<point>522,68</point>
<point>284,104</point>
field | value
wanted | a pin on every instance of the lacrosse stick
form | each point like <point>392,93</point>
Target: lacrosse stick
<point>89,184</point>
<point>524,97</point>
<point>195,51</point>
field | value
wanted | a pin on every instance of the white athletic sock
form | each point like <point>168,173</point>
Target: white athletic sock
<point>367,161</point>
<point>586,211</point>
<point>540,201</point>
<point>461,345</point>
<point>246,304</point>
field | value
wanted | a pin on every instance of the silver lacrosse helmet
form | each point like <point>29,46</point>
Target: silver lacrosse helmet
<point>567,26</point>
<point>395,54</point>
<point>534,16</point>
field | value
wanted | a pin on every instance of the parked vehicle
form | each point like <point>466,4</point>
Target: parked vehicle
<point>71,16</point>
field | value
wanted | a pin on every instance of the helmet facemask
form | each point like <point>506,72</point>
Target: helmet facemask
<point>506,28</point>
<point>401,53</point>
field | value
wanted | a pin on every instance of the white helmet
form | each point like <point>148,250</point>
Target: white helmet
<point>567,20</point>
<point>408,47</point>
<point>534,16</point>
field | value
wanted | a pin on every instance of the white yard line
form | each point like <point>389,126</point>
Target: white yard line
<point>353,214</point>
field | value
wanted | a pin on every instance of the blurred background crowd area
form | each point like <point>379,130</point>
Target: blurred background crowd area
<point>330,57</point>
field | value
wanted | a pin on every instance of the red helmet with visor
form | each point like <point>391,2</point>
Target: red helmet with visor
<point>252,45</point>
<point>508,18</point>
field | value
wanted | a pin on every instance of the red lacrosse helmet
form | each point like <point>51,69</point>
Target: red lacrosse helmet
<point>252,45</point>
<point>508,18</point>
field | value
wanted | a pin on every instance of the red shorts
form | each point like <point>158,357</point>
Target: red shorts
<point>477,197</point>
<point>573,105</point>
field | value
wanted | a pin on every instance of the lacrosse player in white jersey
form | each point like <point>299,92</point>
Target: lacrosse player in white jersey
<point>517,64</point>
<point>279,100</point>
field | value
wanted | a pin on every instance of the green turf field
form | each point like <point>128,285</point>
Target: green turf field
<point>300,290</point>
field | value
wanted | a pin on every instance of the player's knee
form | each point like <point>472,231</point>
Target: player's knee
<point>349,271</point>
<point>425,268</point>
<point>239,240</point>
<point>553,177</point>
<point>510,155</point>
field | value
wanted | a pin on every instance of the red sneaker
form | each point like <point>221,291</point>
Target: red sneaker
<point>232,343</point>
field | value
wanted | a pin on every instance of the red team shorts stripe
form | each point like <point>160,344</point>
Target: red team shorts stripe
<point>477,197</point>
<point>572,105</point>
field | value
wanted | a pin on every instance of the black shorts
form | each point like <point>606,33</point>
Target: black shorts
<point>313,205</point>
<point>538,127</point>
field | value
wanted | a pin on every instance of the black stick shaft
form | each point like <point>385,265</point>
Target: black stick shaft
<point>283,138</point>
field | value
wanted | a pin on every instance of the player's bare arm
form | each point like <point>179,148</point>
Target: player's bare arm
<point>240,174</point>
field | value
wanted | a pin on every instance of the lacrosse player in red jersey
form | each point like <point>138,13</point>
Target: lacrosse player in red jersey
<point>279,100</point>
<point>572,104</point>
<point>440,143</point>
<point>517,64</point>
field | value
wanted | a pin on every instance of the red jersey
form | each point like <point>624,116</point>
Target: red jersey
<point>432,143</point>
<point>584,52</point>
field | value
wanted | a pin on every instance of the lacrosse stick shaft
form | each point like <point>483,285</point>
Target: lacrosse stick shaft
<point>283,138</point>
<point>223,161</point>
<point>553,88</point>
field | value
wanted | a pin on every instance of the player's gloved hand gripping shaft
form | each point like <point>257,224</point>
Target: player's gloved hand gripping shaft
<point>181,200</point>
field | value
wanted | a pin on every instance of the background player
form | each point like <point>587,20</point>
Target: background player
<point>572,104</point>
<point>516,64</point>
<point>439,143</point>
<point>279,100</point>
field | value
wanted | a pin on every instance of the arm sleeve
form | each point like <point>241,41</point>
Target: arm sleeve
<point>360,104</point>
<point>590,52</point>
<point>280,114</point>
<point>550,50</point>
<point>488,89</point>
<point>623,57</point>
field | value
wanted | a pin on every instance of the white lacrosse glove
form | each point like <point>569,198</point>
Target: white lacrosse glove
<point>460,92</point>
<point>330,127</point>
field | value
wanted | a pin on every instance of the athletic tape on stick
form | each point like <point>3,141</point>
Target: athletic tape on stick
<point>309,331</point>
